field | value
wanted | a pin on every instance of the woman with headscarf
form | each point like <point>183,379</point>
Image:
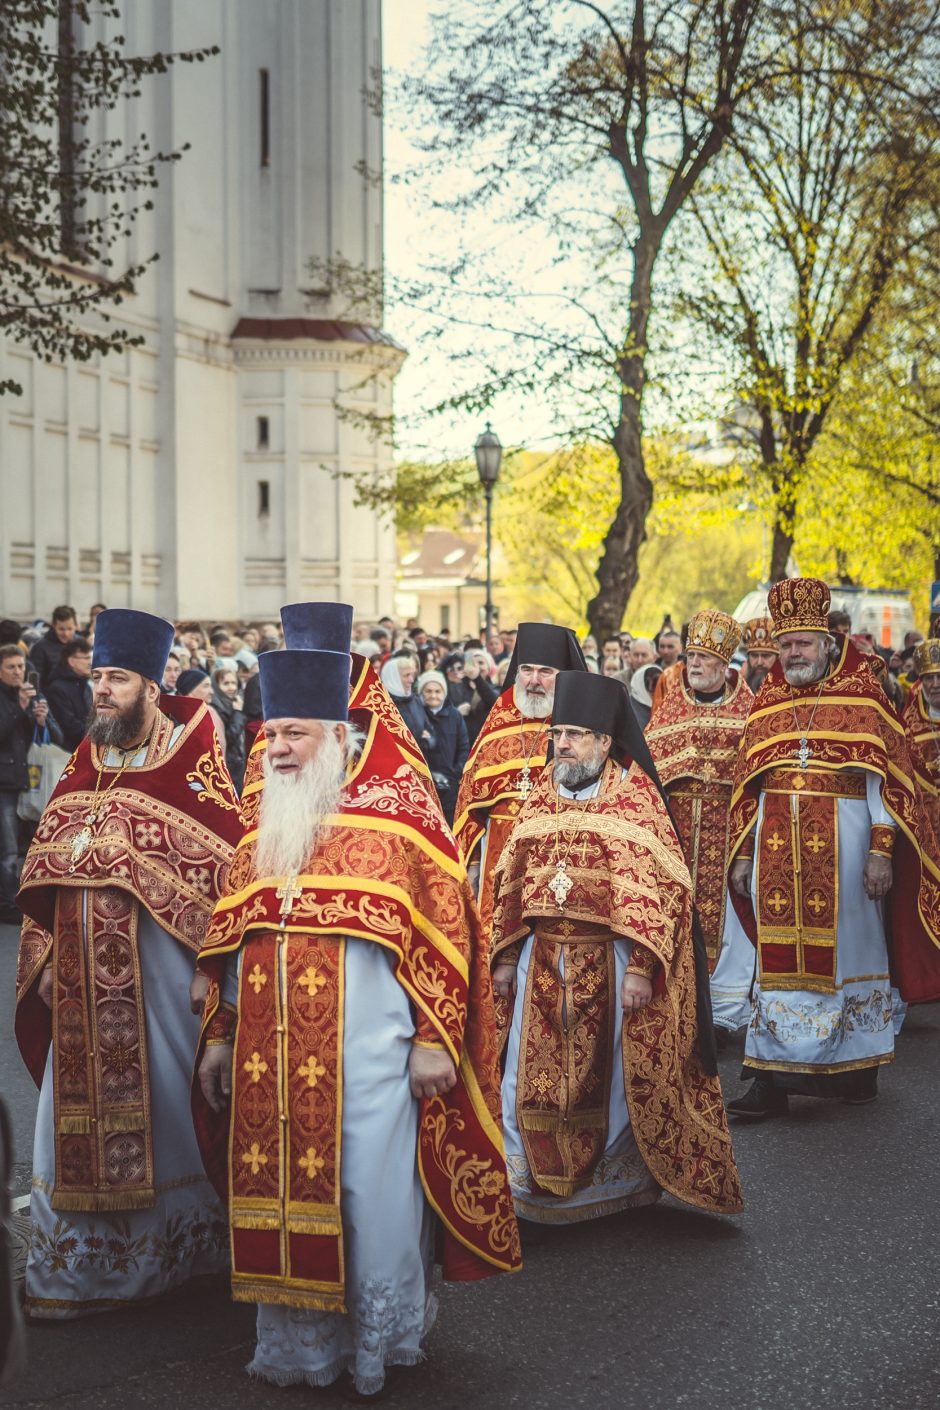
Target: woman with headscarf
<point>398,677</point>
<point>642,685</point>
<point>448,754</point>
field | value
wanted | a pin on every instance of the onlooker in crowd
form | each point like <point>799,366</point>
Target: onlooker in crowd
<point>227,702</point>
<point>477,668</point>
<point>398,677</point>
<point>612,666</point>
<point>221,643</point>
<point>507,644</point>
<point>840,623</point>
<point>642,684</point>
<point>198,684</point>
<point>247,663</point>
<point>69,691</point>
<point>458,691</point>
<point>670,646</point>
<point>383,639</point>
<point>494,645</point>
<point>11,633</point>
<point>429,657</point>
<point>93,611</point>
<point>250,638</point>
<point>171,675</point>
<point>192,636</point>
<point>502,671</point>
<point>45,655</point>
<point>642,653</point>
<point>447,749</point>
<point>21,710</point>
<point>611,650</point>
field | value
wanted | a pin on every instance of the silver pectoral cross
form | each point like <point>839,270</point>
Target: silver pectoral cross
<point>287,895</point>
<point>560,884</point>
<point>525,782</point>
<point>804,752</point>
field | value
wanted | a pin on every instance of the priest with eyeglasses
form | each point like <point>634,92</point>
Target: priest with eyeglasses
<point>610,1093</point>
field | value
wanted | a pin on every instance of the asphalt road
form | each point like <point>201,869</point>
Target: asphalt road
<point>824,1293</point>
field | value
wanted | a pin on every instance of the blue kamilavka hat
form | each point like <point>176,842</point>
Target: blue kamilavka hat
<point>305,685</point>
<point>317,626</point>
<point>132,641</point>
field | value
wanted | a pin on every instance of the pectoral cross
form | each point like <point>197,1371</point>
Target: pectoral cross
<point>560,885</point>
<point>525,782</point>
<point>287,895</point>
<point>804,752</point>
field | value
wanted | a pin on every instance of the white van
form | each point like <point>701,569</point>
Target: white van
<point>884,612</point>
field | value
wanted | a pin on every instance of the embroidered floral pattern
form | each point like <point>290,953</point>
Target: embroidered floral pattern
<point>108,1246</point>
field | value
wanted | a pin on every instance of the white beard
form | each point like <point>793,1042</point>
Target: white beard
<point>293,810</point>
<point>534,707</point>
<point>805,675</point>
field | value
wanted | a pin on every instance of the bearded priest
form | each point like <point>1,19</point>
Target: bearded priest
<point>119,884</point>
<point>694,739</point>
<point>348,1094</point>
<point>509,755</point>
<point>831,857</point>
<point>760,651</point>
<point>610,1092</point>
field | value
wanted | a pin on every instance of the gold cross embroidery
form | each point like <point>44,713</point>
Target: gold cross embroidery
<point>287,895</point>
<point>256,1067</point>
<point>583,849</point>
<point>816,903</point>
<point>311,1071</point>
<point>777,902</point>
<point>814,842</point>
<point>257,979</point>
<point>775,842</point>
<point>311,980</point>
<point>311,1163</point>
<point>255,1158</point>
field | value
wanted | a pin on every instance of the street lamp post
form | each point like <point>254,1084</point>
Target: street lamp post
<point>489,454</point>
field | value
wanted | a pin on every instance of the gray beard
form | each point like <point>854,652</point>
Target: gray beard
<point>806,675</point>
<point>119,730</point>
<point>755,676</point>
<point>534,707</point>
<point>575,775</point>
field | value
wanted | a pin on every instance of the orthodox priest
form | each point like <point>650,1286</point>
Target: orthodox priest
<point>348,1095</point>
<point>760,650</point>
<point>510,752</point>
<point>119,884</point>
<point>610,1092</point>
<point>694,740</point>
<point>828,840</point>
<point>922,723</point>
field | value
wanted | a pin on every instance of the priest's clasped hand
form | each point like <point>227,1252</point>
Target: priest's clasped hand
<point>635,993</point>
<point>432,1072</point>
<point>740,876</point>
<point>215,1075</point>
<point>877,876</point>
<point>504,980</point>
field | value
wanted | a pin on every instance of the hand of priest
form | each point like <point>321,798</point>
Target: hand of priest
<point>473,876</point>
<point>198,990</point>
<point>877,876</point>
<point>215,1075</point>
<point>635,992</point>
<point>740,876</point>
<point>504,980</point>
<point>432,1072</point>
<point>45,986</point>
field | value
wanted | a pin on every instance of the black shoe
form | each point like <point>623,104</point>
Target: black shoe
<point>760,1100</point>
<point>864,1088</point>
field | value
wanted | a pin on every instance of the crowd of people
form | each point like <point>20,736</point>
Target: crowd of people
<point>463,925</point>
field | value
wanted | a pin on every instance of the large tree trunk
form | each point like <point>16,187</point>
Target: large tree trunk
<point>618,569</point>
<point>780,548</point>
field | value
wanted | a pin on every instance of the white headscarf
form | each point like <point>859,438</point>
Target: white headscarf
<point>638,686</point>
<point>391,677</point>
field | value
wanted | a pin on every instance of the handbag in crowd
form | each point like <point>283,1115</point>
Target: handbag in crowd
<point>45,762</point>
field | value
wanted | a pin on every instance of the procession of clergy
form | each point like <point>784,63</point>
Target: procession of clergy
<point>406,1038</point>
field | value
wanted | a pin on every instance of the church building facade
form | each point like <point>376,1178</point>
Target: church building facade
<point>208,472</point>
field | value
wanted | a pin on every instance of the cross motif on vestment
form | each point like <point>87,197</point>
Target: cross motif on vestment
<point>816,903</point>
<point>256,1067</point>
<point>814,842</point>
<point>777,902</point>
<point>775,842</point>
<point>287,895</point>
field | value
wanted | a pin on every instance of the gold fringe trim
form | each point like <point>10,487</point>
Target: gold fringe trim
<point>580,1214</point>
<point>255,1221</point>
<point>103,1201</point>
<point>821,1067</point>
<point>251,1291</point>
<point>312,1224</point>
<point>74,1125</point>
<point>552,1121</point>
<point>124,1121</point>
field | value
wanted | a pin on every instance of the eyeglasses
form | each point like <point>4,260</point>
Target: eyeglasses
<point>559,732</point>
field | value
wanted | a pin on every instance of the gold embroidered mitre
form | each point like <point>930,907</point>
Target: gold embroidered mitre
<point>799,605</point>
<point>714,632</point>
<point>758,635</point>
<point>927,657</point>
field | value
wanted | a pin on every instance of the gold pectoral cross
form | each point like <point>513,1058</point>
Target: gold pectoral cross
<point>287,895</point>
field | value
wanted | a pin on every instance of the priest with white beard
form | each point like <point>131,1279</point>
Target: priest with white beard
<point>347,1054</point>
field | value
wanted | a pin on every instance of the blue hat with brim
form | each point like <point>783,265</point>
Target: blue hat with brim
<point>126,640</point>
<point>317,626</point>
<point>305,685</point>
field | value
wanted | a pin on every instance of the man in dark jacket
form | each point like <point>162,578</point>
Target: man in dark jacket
<point>70,691</point>
<point>47,653</point>
<point>21,710</point>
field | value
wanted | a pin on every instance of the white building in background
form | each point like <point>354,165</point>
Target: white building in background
<point>203,474</point>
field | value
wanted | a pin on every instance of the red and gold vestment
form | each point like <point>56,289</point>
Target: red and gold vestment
<point>923,736</point>
<point>504,763</point>
<point>695,748</point>
<point>163,839</point>
<point>850,728</point>
<point>629,879</point>
<point>385,869</point>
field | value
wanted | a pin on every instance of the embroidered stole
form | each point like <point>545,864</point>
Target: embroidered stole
<point>566,1053</point>
<point>797,887</point>
<point>287,1233</point>
<point>702,814</point>
<point>101,1076</point>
